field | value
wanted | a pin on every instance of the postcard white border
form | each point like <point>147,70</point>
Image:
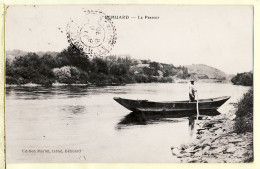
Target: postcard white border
<point>255,164</point>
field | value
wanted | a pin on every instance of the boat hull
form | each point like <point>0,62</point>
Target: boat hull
<point>175,106</point>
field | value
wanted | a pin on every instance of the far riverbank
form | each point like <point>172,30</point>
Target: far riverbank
<point>116,84</point>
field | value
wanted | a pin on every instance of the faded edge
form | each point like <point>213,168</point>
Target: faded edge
<point>2,88</point>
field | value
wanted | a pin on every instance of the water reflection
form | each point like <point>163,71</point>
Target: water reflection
<point>144,118</point>
<point>66,91</point>
<point>74,109</point>
<point>191,122</point>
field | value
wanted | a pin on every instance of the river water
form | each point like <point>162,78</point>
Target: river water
<point>85,124</point>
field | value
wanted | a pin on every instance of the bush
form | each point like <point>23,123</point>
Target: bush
<point>43,80</point>
<point>244,114</point>
<point>141,78</point>
<point>100,78</point>
<point>153,79</point>
<point>15,80</point>
<point>245,79</point>
<point>166,80</point>
<point>70,75</point>
<point>127,78</point>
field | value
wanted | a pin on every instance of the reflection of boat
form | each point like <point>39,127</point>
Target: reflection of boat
<point>174,106</point>
<point>139,118</point>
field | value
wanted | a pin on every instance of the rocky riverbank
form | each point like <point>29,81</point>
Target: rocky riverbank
<point>216,142</point>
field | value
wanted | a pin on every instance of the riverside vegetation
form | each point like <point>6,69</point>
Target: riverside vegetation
<point>226,137</point>
<point>245,79</point>
<point>72,66</point>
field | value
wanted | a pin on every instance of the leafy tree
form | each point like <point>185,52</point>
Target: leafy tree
<point>27,66</point>
<point>9,70</point>
<point>155,65</point>
<point>46,65</point>
<point>119,69</point>
<point>245,79</point>
<point>99,65</point>
<point>150,71</point>
<point>73,57</point>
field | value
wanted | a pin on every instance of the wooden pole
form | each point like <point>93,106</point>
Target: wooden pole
<point>197,106</point>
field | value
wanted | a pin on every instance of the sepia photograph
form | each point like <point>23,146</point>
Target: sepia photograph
<point>129,83</point>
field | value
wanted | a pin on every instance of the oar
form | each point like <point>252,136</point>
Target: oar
<point>197,106</point>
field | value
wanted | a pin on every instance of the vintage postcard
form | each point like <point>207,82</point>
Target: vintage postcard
<point>129,83</point>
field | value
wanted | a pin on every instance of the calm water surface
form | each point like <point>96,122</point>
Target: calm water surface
<point>49,121</point>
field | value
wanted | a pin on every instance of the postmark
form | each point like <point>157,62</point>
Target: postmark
<point>93,33</point>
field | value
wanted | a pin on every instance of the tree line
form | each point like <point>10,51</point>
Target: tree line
<point>72,66</point>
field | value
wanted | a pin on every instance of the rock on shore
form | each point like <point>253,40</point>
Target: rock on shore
<point>216,142</point>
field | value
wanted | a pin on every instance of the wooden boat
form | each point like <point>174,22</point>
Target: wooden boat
<point>173,106</point>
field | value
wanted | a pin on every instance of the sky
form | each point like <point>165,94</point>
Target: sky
<point>218,36</point>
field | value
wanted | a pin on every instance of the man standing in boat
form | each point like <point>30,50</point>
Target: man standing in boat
<point>192,90</point>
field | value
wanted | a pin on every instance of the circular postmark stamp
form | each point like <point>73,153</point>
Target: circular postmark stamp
<point>93,33</point>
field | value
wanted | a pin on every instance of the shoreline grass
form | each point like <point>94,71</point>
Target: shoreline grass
<point>244,113</point>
